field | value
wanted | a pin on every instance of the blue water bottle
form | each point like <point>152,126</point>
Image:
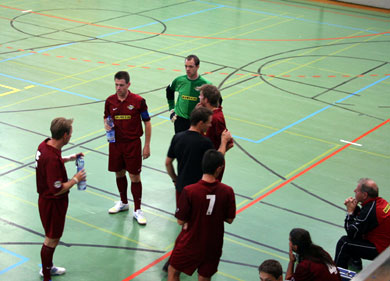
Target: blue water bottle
<point>82,185</point>
<point>111,133</point>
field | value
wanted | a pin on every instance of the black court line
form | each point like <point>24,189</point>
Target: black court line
<point>89,246</point>
<point>349,80</point>
<point>301,214</point>
<point>283,178</point>
<point>239,263</point>
<point>255,242</point>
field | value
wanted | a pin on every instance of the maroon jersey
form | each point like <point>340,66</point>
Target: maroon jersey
<point>204,206</point>
<point>127,116</point>
<point>218,125</point>
<point>50,171</point>
<point>311,271</point>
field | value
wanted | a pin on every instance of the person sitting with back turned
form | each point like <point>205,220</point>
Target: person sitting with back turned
<point>368,227</point>
<point>314,263</point>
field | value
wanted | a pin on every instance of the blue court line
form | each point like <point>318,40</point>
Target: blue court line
<point>294,18</point>
<point>304,118</point>
<point>322,109</point>
<point>23,260</point>
<point>50,87</point>
<point>116,32</point>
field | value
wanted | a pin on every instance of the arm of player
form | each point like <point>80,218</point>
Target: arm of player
<point>170,169</point>
<point>225,138</point>
<point>70,183</point>
<point>290,267</point>
<point>170,93</point>
<point>72,157</point>
<point>148,136</point>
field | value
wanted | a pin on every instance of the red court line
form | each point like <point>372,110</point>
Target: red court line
<point>309,168</point>
<point>135,274</point>
<point>200,37</point>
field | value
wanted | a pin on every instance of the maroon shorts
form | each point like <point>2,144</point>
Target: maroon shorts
<point>53,213</point>
<point>125,156</point>
<point>185,262</point>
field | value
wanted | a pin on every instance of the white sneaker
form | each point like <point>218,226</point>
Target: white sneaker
<point>55,270</point>
<point>139,216</point>
<point>119,207</point>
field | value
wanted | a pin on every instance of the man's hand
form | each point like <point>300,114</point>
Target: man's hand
<point>172,115</point>
<point>351,204</point>
<point>146,152</point>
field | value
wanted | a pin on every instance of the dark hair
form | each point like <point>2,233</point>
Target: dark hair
<point>306,249</point>
<point>195,58</point>
<point>212,159</point>
<point>369,186</point>
<point>272,267</point>
<point>59,126</point>
<point>200,114</point>
<point>122,75</point>
<point>211,93</point>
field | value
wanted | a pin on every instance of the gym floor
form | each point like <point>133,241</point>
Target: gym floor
<point>306,96</point>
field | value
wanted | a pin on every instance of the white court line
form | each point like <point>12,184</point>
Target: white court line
<point>27,11</point>
<point>353,143</point>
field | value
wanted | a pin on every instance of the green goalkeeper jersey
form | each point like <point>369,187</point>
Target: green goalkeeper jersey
<point>188,94</point>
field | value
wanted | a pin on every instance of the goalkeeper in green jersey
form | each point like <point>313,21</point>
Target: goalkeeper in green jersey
<point>187,87</point>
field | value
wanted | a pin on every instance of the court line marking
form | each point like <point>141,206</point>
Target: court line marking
<point>139,272</point>
<point>291,17</point>
<point>22,260</point>
<point>321,110</point>
<point>357,144</point>
<point>235,39</point>
<point>97,25</point>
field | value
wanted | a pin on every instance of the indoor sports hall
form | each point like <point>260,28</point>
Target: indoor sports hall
<point>306,96</point>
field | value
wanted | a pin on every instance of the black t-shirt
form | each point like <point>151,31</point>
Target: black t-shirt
<point>188,148</point>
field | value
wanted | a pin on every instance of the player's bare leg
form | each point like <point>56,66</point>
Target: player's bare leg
<point>173,274</point>
<point>202,278</point>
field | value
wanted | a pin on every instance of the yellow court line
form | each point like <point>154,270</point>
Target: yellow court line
<point>81,221</point>
<point>89,134</point>
<point>130,58</point>
<point>255,248</point>
<point>302,167</point>
<point>229,276</point>
<point>288,175</point>
<point>288,71</point>
<point>304,136</point>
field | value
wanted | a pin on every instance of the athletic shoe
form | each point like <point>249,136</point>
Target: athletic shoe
<point>55,270</point>
<point>119,207</point>
<point>139,216</point>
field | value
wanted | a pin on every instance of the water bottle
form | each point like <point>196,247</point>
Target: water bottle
<point>111,133</point>
<point>82,185</point>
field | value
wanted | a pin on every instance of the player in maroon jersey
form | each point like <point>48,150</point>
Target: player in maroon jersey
<point>314,263</point>
<point>53,188</point>
<point>203,209</point>
<point>128,110</point>
<point>210,98</point>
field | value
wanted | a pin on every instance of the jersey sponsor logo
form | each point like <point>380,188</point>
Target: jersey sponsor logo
<point>57,184</point>
<point>189,98</point>
<point>386,209</point>
<point>122,117</point>
<point>130,107</point>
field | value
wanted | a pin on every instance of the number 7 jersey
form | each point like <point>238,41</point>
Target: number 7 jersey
<point>205,207</point>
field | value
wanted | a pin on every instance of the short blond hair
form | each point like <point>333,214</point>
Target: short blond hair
<point>59,126</point>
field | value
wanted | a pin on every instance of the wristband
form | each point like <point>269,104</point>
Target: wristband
<point>75,179</point>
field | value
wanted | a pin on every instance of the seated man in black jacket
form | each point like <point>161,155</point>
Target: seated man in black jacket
<point>367,227</point>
